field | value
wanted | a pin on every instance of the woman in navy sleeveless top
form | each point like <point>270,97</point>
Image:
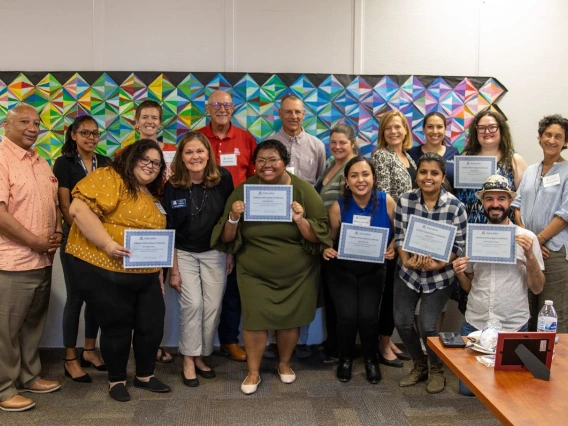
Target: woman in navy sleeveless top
<point>356,287</point>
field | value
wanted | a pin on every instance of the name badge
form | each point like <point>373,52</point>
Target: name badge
<point>361,220</point>
<point>169,156</point>
<point>290,169</point>
<point>228,160</point>
<point>160,208</point>
<point>178,204</point>
<point>551,180</point>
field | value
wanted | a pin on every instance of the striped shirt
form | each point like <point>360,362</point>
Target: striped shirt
<point>448,209</point>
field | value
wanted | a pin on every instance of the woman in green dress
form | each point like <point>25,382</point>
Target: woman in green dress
<point>278,263</point>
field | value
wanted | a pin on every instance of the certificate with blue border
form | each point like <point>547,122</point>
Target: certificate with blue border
<point>268,203</point>
<point>149,248</point>
<point>491,243</point>
<point>362,243</point>
<point>429,237</point>
<point>471,171</point>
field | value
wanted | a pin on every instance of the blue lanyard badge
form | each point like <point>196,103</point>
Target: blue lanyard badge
<point>83,164</point>
<point>178,204</point>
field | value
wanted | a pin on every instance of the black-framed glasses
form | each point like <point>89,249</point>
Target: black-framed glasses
<point>86,133</point>
<point>145,161</point>
<point>218,105</point>
<point>492,128</point>
<point>267,161</point>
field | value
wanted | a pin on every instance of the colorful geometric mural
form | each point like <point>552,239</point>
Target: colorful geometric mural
<point>359,101</point>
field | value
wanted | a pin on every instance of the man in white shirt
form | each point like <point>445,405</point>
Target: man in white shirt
<point>500,290</point>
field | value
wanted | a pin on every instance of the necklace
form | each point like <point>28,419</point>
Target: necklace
<point>198,209</point>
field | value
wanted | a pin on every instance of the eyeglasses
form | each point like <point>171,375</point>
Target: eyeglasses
<point>86,133</point>
<point>145,161</point>
<point>267,161</point>
<point>492,128</point>
<point>218,105</point>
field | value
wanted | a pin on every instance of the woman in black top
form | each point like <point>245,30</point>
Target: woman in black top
<point>77,160</point>
<point>194,199</point>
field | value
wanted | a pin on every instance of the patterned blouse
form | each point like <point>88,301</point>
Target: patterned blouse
<point>104,191</point>
<point>392,176</point>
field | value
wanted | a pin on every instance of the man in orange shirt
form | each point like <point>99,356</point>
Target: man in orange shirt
<point>30,233</point>
<point>233,148</point>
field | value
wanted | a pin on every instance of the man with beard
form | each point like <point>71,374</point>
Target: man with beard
<point>500,290</point>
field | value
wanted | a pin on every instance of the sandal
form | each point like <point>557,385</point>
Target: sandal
<point>162,356</point>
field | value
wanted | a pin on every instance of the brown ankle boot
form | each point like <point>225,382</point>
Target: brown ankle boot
<point>418,373</point>
<point>437,381</point>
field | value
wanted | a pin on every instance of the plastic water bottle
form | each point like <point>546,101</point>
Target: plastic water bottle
<point>547,319</point>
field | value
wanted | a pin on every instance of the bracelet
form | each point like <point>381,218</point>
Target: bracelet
<point>60,233</point>
<point>233,222</point>
<point>174,275</point>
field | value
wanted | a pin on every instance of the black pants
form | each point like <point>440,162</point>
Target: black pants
<point>356,289</point>
<point>123,303</point>
<point>386,315</point>
<point>230,311</point>
<point>74,303</point>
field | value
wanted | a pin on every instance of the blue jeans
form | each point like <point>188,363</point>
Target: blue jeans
<point>467,329</point>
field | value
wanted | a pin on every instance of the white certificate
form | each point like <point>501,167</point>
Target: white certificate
<point>429,238</point>
<point>268,203</point>
<point>471,171</point>
<point>491,243</point>
<point>363,243</point>
<point>149,248</point>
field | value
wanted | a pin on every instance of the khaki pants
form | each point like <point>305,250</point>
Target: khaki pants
<point>203,279</point>
<point>24,298</point>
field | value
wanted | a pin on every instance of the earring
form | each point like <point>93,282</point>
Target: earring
<point>138,128</point>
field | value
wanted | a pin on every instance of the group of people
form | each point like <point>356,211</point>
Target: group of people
<point>273,274</point>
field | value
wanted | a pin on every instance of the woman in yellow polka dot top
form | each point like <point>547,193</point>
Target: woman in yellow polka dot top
<point>106,203</point>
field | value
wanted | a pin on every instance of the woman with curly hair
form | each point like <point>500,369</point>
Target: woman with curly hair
<point>127,303</point>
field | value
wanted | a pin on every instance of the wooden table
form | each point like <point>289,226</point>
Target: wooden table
<point>514,397</point>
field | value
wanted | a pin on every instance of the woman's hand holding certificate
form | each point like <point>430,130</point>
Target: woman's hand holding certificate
<point>428,237</point>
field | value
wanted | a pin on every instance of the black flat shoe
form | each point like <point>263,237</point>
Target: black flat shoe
<point>206,374</point>
<point>372,371</point>
<point>153,385</point>
<point>403,356</point>
<point>391,362</point>
<point>192,383</point>
<point>344,369</point>
<point>119,393</point>
<point>85,378</point>
<point>85,363</point>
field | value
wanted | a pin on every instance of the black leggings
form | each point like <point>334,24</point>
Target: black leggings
<point>123,303</point>
<point>386,315</point>
<point>74,303</point>
<point>356,289</point>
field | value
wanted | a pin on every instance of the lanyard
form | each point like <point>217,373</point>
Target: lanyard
<point>83,164</point>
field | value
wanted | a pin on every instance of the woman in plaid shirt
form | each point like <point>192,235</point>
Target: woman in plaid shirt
<point>421,277</point>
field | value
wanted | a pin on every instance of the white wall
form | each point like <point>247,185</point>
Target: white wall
<point>522,44</point>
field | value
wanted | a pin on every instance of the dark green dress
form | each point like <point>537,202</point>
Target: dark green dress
<point>278,271</point>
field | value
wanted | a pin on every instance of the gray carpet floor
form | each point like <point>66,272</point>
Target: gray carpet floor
<point>316,398</point>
